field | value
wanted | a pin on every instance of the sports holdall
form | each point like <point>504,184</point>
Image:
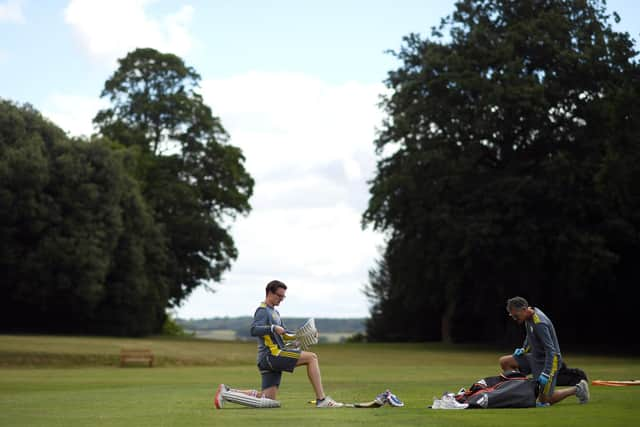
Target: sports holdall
<point>508,390</point>
<point>570,376</point>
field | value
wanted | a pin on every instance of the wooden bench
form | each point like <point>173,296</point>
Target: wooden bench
<point>138,355</point>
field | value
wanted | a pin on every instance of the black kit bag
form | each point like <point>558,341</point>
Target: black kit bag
<point>509,390</point>
<point>570,376</point>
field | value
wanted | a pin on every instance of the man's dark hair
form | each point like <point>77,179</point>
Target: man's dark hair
<point>274,285</point>
<point>518,303</point>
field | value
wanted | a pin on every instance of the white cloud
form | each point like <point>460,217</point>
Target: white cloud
<point>295,120</point>
<point>11,11</point>
<point>309,145</point>
<point>73,113</point>
<point>320,242</point>
<point>110,29</point>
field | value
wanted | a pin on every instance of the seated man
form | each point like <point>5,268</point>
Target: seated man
<point>540,353</point>
<point>274,357</point>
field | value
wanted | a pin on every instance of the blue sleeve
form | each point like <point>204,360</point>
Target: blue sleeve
<point>287,331</point>
<point>550,352</point>
<point>261,325</point>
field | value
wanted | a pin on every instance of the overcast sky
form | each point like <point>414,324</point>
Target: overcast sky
<point>295,83</point>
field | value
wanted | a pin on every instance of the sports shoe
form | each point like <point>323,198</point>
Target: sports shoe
<point>393,400</point>
<point>436,404</point>
<point>218,400</point>
<point>448,401</point>
<point>381,399</point>
<point>328,402</point>
<point>582,391</point>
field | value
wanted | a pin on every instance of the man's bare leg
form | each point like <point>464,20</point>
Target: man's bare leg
<point>509,363</point>
<point>558,395</point>
<point>313,372</point>
<point>269,393</point>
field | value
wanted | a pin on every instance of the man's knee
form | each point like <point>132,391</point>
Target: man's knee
<point>508,362</point>
<point>307,357</point>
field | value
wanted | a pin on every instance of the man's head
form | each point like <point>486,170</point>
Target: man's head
<point>518,308</point>
<point>275,292</point>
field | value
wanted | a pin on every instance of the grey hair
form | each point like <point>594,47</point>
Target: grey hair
<point>518,303</point>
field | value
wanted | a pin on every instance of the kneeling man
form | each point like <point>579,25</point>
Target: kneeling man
<point>274,357</point>
<point>540,353</point>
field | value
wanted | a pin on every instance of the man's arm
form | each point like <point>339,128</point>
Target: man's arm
<point>522,350</point>
<point>261,325</point>
<point>550,352</point>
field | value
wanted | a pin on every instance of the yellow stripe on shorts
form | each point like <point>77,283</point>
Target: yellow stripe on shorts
<point>291,354</point>
<point>552,374</point>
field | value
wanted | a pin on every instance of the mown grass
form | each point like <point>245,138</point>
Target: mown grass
<point>61,351</point>
<point>69,381</point>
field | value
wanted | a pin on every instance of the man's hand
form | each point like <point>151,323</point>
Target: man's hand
<point>543,379</point>
<point>518,351</point>
<point>278,330</point>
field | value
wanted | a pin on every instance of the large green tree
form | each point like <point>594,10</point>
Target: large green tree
<point>508,165</point>
<point>193,179</point>
<point>79,250</point>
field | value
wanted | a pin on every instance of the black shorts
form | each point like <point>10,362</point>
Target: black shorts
<point>530,365</point>
<point>271,367</point>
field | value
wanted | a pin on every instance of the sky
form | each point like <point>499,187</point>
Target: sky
<point>297,86</point>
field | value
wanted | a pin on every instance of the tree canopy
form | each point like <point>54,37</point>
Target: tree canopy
<point>102,235</point>
<point>192,178</point>
<point>79,250</point>
<point>507,166</point>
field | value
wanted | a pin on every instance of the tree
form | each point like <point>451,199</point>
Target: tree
<point>192,178</point>
<point>72,222</point>
<point>502,138</point>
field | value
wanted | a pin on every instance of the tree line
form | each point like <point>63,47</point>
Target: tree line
<point>242,324</point>
<point>509,164</point>
<point>103,234</point>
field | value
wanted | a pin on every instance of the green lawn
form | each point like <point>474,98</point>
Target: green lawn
<point>69,381</point>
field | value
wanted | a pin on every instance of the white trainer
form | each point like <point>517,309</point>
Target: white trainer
<point>328,402</point>
<point>450,402</point>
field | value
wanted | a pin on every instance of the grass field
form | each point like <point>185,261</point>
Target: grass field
<point>70,381</point>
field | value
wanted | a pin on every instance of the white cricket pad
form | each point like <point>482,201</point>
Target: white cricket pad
<point>250,401</point>
<point>307,334</point>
